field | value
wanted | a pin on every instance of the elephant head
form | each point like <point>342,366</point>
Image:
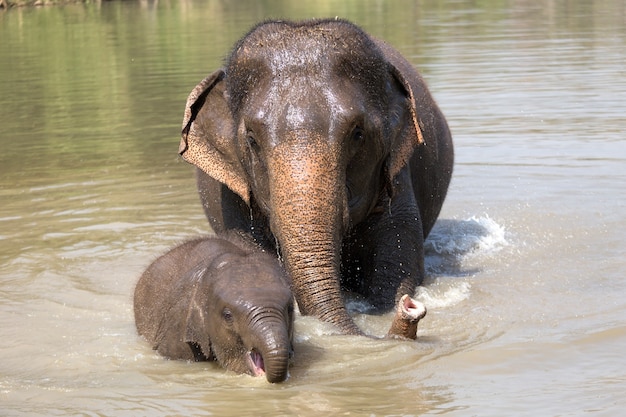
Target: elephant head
<point>218,299</point>
<point>309,125</point>
<point>241,313</point>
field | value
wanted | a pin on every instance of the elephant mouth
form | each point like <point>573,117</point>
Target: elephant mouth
<point>255,363</point>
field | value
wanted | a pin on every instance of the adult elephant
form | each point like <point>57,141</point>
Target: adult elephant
<point>326,144</point>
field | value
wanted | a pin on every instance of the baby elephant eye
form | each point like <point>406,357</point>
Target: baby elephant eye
<point>227,315</point>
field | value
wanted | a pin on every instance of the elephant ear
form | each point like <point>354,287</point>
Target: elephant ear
<point>405,105</point>
<point>208,135</point>
<point>410,135</point>
<point>196,331</point>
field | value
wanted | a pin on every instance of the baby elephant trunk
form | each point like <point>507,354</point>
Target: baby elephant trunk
<point>271,350</point>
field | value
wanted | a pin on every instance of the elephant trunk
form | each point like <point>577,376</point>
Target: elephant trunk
<point>310,215</point>
<point>271,348</point>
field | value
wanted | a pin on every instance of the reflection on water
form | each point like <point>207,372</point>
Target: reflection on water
<point>525,269</point>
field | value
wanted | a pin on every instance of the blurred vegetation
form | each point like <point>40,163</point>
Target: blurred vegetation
<point>97,85</point>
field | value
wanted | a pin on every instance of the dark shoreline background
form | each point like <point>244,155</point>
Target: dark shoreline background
<point>8,4</point>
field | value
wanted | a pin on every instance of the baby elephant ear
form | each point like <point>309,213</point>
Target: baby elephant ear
<point>196,331</point>
<point>208,136</point>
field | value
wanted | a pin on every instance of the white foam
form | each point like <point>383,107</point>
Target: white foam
<point>461,237</point>
<point>495,238</point>
<point>455,249</point>
<point>442,296</point>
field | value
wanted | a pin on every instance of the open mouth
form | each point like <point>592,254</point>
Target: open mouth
<point>256,364</point>
<point>411,310</point>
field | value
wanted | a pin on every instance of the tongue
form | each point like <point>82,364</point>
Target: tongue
<point>256,363</point>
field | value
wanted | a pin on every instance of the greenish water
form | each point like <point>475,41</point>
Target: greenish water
<point>526,278</point>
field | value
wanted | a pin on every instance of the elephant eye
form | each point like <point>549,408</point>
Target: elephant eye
<point>227,315</point>
<point>251,142</point>
<point>357,134</point>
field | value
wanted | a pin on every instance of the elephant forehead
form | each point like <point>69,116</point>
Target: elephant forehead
<point>295,115</point>
<point>297,102</point>
<point>301,57</point>
<point>246,298</point>
<point>247,276</point>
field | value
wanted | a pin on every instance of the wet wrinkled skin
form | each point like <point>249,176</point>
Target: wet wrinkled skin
<point>325,145</point>
<point>218,299</point>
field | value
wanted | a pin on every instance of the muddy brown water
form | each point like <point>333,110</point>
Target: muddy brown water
<point>526,288</point>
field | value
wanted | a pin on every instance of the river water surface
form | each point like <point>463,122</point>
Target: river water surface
<point>526,287</point>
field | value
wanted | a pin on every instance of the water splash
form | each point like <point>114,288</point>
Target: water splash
<point>456,249</point>
<point>452,244</point>
<point>441,295</point>
<point>464,237</point>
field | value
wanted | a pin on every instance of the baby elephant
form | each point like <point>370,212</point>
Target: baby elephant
<point>218,299</point>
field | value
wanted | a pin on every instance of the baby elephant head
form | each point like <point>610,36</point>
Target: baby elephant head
<point>218,299</point>
<point>242,314</point>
